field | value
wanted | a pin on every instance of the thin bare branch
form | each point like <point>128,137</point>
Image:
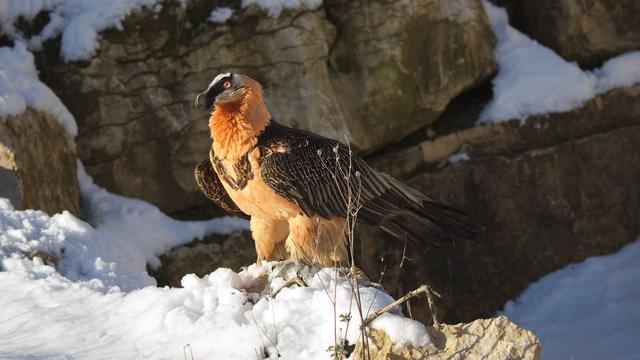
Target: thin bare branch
<point>293,281</point>
<point>422,289</point>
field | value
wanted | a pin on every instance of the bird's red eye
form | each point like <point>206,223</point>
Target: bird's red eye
<point>226,84</point>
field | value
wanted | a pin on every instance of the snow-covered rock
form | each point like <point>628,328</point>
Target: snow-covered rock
<point>588,32</point>
<point>533,80</point>
<point>495,338</point>
<point>20,87</point>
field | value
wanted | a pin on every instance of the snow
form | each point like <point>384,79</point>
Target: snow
<point>275,7</point>
<point>220,15</point>
<point>532,79</point>
<point>214,315</point>
<point>132,233</point>
<point>78,21</point>
<point>458,157</point>
<point>20,88</point>
<point>99,301</point>
<point>623,70</point>
<point>587,310</point>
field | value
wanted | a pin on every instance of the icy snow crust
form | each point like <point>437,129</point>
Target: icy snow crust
<point>589,310</point>
<point>101,303</point>
<point>532,79</point>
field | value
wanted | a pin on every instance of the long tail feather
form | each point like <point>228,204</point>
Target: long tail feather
<point>430,224</point>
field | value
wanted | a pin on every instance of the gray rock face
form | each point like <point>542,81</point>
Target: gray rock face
<point>397,64</point>
<point>140,136</point>
<point>548,193</point>
<point>39,161</point>
<point>588,32</point>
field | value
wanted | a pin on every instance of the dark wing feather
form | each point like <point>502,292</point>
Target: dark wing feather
<point>323,177</point>
<point>210,184</point>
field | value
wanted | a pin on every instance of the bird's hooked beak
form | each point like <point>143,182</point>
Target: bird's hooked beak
<point>224,88</point>
<point>200,100</point>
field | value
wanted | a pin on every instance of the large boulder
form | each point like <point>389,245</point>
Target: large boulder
<point>204,256</point>
<point>550,192</point>
<point>38,164</point>
<point>495,338</point>
<point>397,64</point>
<point>140,136</point>
<point>588,32</point>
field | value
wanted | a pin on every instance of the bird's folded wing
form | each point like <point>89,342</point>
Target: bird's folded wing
<point>323,177</point>
<point>318,174</point>
<point>212,188</point>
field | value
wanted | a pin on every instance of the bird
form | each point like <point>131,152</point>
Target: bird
<point>302,192</point>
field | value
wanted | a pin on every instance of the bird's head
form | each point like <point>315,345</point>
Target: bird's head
<point>227,88</point>
<point>238,113</point>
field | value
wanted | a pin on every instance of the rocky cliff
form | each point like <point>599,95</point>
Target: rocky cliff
<point>375,76</point>
<point>405,82</point>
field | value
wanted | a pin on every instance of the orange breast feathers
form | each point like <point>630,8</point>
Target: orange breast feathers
<point>234,126</point>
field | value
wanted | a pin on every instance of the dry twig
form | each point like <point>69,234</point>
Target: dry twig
<point>423,289</point>
<point>293,281</point>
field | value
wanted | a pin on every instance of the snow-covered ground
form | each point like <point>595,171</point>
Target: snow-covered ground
<point>533,80</point>
<point>98,301</point>
<point>589,310</point>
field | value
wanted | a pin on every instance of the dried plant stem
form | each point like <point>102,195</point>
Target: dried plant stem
<point>422,289</point>
<point>293,281</point>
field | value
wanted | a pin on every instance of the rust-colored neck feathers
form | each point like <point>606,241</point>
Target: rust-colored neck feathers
<point>235,125</point>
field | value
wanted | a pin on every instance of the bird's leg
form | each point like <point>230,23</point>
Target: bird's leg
<point>317,241</point>
<point>269,236</point>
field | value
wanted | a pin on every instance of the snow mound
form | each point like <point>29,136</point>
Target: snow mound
<point>587,310</point>
<point>20,88</point>
<point>532,79</point>
<point>216,316</point>
<point>82,291</point>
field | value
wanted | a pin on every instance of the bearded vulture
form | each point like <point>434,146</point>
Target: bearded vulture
<point>299,189</point>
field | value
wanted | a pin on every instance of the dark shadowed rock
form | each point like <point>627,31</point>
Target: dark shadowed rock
<point>588,32</point>
<point>202,257</point>
<point>551,192</point>
<point>39,161</point>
